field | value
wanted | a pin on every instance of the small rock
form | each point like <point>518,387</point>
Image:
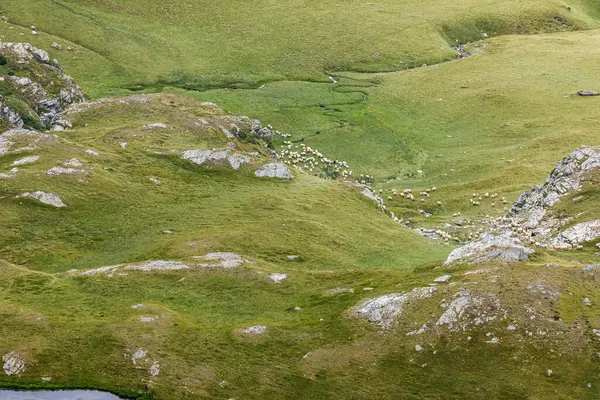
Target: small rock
<point>26,160</point>
<point>92,153</point>
<point>549,373</point>
<point>46,379</point>
<point>418,348</point>
<point>278,278</point>
<point>587,301</point>
<point>254,330</point>
<point>123,144</point>
<point>586,93</point>
<point>154,180</point>
<point>443,279</point>
<point>155,369</point>
<point>139,353</point>
<point>274,170</point>
<point>46,198</point>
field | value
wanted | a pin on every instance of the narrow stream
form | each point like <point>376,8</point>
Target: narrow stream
<point>57,395</point>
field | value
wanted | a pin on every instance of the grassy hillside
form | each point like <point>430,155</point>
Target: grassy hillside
<point>494,122</point>
<point>203,44</point>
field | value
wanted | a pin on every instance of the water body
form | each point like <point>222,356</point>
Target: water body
<point>57,395</point>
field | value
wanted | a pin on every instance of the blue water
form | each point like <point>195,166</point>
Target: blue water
<point>57,395</point>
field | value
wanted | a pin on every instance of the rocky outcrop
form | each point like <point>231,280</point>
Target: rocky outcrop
<point>13,363</point>
<point>565,179</point>
<point>384,310</point>
<point>19,140</point>
<point>223,260</point>
<point>146,266</point>
<point>244,128</point>
<point>504,248</point>
<point>468,310</point>
<point>274,170</point>
<point>46,99</point>
<point>201,157</point>
<point>577,234</point>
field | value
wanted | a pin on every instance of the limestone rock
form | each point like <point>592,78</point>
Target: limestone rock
<point>26,160</point>
<point>577,234</point>
<point>277,278</point>
<point>274,170</point>
<point>471,310</point>
<point>501,248</point>
<point>44,197</point>
<point>200,157</point>
<point>586,93</point>
<point>222,260</point>
<point>563,180</point>
<point>384,310</point>
<point>254,330</point>
<point>443,279</point>
<point>139,353</point>
<point>28,139</point>
<point>13,363</point>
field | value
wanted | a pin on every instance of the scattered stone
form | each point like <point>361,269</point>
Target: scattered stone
<point>43,197</point>
<point>155,369</point>
<point>511,327</point>
<point>135,306</point>
<point>149,319</point>
<point>493,340</point>
<point>46,378</point>
<point>443,279</point>
<point>73,162</point>
<point>254,330</point>
<point>544,289</point>
<point>154,180</point>
<point>13,363</point>
<point>587,301</point>
<point>274,170</point>
<point>385,309</point>
<point>123,144</point>
<point>139,353</point>
<point>419,331</point>
<point>418,348</point>
<point>278,278</point>
<point>92,153</point>
<point>549,373</point>
<point>587,93</point>
<point>156,126</point>
<point>339,290</point>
